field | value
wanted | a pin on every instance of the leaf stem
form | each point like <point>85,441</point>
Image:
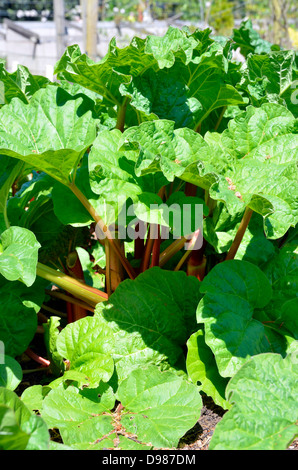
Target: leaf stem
<point>240,233</point>
<point>156,250</point>
<point>103,227</point>
<point>36,358</point>
<point>190,189</point>
<point>121,114</point>
<point>77,288</point>
<point>220,118</point>
<point>148,250</point>
<point>66,298</point>
<point>211,203</point>
<point>171,250</point>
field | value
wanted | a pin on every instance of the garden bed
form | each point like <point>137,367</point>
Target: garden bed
<point>148,247</point>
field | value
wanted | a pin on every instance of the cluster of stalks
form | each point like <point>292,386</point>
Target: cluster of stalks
<point>81,298</point>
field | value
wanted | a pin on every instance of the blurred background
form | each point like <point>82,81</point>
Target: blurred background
<point>35,33</point>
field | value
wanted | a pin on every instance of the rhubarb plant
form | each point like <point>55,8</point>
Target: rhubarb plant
<point>148,214</point>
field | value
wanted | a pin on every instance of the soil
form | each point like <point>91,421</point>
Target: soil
<point>198,438</point>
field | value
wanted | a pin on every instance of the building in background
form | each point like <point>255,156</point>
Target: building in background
<point>29,30</point>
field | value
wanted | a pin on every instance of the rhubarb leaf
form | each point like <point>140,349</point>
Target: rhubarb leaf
<point>263,145</point>
<point>163,148</point>
<point>10,372</point>
<point>257,421</point>
<point>151,317</point>
<point>271,77</point>
<point>188,91</point>
<point>18,317</point>
<point>249,41</point>
<point>202,369</point>
<point>20,84</point>
<point>20,429</point>
<point>10,171</point>
<point>159,407</point>
<point>82,416</point>
<point>51,133</point>
<point>19,256</point>
<point>233,291</point>
<point>88,349</point>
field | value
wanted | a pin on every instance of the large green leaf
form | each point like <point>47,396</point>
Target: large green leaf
<point>263,146</point>
<point>18,318</point>
<point>203,371</point>
<point>121,64</point>
<point>271,77</point>
<point>11,169</point>
<point>163,148</point>
<point>264,412</point>
<point>248,40</point>
<point>51,133</point>
<point>20,84</point>
<point>282,271</point>
<point>233,291</point>
<point>188,91</point>
<point>20,429</point>
<point>82,416</point>
<point>88,349</point>
<point>152,317</point>
<point>10,372</point>
<point>19,255</point>
<point>159,407</point>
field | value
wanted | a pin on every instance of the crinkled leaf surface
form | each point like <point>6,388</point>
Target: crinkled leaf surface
<point>121,64</point>
<point>88,348</point>
<point>152,317</point>
<point>282,271</point>
<point>19,255</point>
<point>263,145</point>
<point>112,177</point>
<point>251,164</point>
<point>159,407</point>
<point>51,133</point>
<point>271,77</point>
<point>249,40</point>
<point>179,76</point>
<point>162,148</point>
<point>234,290</point>
<point>82,416</point>
<point>264,413</point>
<point>20,84</point>
<point>188,91</point>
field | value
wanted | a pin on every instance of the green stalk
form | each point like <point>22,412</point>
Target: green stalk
<point>125,263</point>
<point>211,203</point>
<point>88,294</point>
<point>220,118</point>
<point>240,233</point>
<point>171,250</point>
<point>121,114</point>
